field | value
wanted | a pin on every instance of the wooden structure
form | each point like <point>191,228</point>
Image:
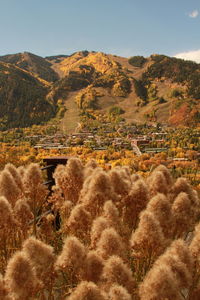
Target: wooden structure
<point>50,165</point>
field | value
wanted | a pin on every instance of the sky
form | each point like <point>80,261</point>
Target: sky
<point>121,27</point>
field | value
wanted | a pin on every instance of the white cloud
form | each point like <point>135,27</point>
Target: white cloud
<point>194,14</point>
<point>189,55</point>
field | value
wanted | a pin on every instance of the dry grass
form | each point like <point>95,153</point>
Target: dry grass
<point>98,235</point>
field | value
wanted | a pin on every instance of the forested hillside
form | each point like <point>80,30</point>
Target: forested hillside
<point>22,98</point>
<point>32,63</point>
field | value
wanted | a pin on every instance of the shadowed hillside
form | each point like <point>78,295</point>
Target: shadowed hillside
<point>22,98</point>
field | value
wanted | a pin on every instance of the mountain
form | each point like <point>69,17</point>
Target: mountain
<point>32,63</point>
<point>22,98</point>
<point>158,88</point>
<point>154,89</point>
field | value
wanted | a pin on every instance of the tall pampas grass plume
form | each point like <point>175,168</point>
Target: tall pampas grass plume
<point>4,292</point>
<point>160,207</point>
<point>8,187</point>
<point>98,226</point>
<point>116,271</point>
<point>20,277</point>
<point>118,292</point>
<point>157,183</point>
<point>148,238</point>
<point>93,267</point>
<point>72,256</point>
<point>40,254</point>
<point>15,174</point>
<point>87,291</point>
<point>110,243</point>
<point>7,220</point>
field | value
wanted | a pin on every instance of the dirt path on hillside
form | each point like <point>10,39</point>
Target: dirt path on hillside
<point>71,118</point>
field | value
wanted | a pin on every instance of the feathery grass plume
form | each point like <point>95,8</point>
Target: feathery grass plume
<point>56,199</point>
<point>35,191</point>
<point>47,229</point>
<point>179,249</point>
<point>69,179</point>
<point>16,176</point>
<point>76,175</point>
<point>118,292</point>
<point>182,215</point>
<point>126,172</point>
<point>21,170</point>
<point>160,206</point>
<point>119,181</point>
<point>100,189</point>
<point>72,257</point>
<point>4,292</point>
<point>40,255</point>
<point>157,183</point>
<point>90,166</point>
<point>93,267</point>
<point>159,284</point>
<point>7,220</point>
<point>111,213</point>
<point>8,187</point>
<point>195,244</point>
<point>177,260</point>
<point>135,177</point>
<point>65,210</point>
<point>20,277</point>
<point>179,269</point>
<point>98,226</point>
<point>195,205</point>
<point>86,184</point>
<point>182,185</point>
<point>9,231</point>
<point>33,176</point>
<point>87,173</point>
<point>101,183</point>
<point>166,173</point>
<point>194,294</point>
<point>147,242</point>
<point>110,243</point>
<point>86,291</point>
<point>23,214</point>
<point>134,203</point>
<point>116,271</point>
<point>179,263</point>
<point>79,221</point>
<point>194,248</point>
<point>87,181</point>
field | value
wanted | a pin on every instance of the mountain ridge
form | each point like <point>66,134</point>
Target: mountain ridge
<point>154,89</point>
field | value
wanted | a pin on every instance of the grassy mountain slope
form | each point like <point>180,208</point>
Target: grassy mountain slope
<point>158,88</point>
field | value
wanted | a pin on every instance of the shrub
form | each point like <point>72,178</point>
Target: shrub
<point>137,61</point>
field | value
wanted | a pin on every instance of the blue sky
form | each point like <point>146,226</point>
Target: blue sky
<point>122,27</point>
